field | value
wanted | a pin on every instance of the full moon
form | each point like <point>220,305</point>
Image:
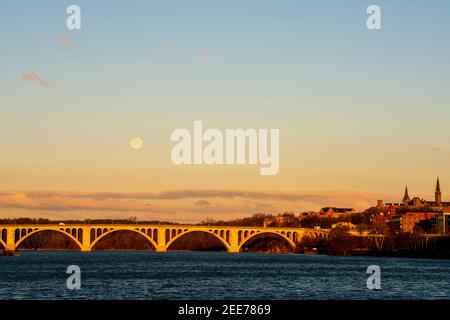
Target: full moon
<point>136,143</point>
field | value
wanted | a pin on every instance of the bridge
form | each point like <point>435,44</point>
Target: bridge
<point>160,236</point>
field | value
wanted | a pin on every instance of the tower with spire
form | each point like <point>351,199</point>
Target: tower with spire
<point>437,194</point>
<point>406,198</point>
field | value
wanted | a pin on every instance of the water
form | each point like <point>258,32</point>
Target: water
<point>214,275</point>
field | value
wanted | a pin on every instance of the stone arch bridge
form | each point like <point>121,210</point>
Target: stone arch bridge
<point>160,236</point>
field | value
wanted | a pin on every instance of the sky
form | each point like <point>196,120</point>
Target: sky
<point>361,113</point>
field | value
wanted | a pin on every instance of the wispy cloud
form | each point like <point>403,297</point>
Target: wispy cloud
<point>34,77</point>
<point>60,202</point>
<point>319,197</point>
<point>65,41</point>
<point>171,202</point>
<point>202,203</point>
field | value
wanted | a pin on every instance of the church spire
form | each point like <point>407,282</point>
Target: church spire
<point>406,196</point>
<point>437,193</point>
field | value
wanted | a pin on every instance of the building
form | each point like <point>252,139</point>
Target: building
<point>409,221</point>
<point>443,221</point>
<point>327,212</point>
<point>406,215</point>
<point>418,203</point>
<point>335,211</point>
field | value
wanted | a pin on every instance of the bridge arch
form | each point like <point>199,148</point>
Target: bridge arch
<point>270,233</point>
<point>227,246</point>
<point>93,243</point>
<point>78,243</point>
<point>2,244</point>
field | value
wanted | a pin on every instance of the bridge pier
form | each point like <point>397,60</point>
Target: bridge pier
<point>161,245</point>
<point>234,249</point>
<point>161,249</point>
<point>9,251</point>
<point>234,242</point>
<point>86,249</point>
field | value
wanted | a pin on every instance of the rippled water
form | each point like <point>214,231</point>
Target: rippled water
<point>213,275</point>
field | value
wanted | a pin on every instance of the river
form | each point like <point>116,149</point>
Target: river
<point>214,275</point>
